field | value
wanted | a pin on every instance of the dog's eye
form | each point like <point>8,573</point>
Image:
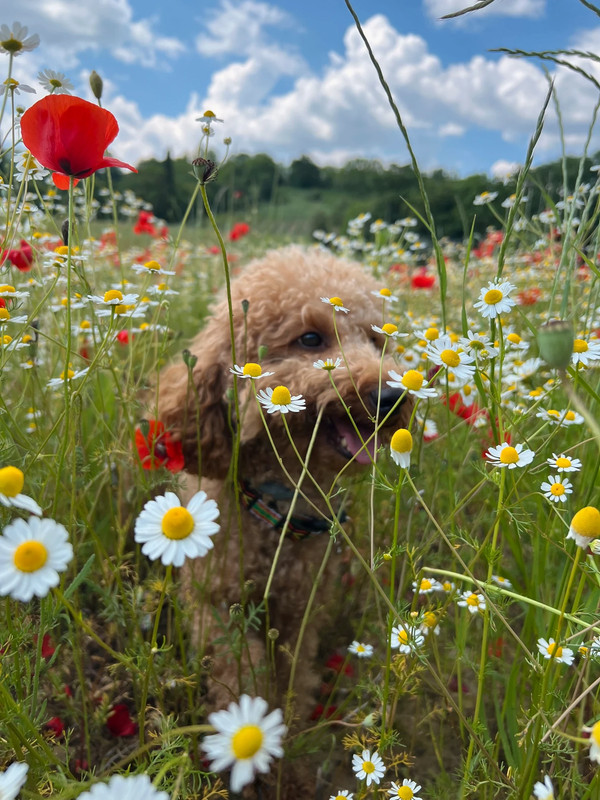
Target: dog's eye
<point>311,339</point>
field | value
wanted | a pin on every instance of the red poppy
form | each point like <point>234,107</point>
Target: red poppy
<point>422,279</point>
<point>145,224</point>
<point>119,721</point>
<point>158,449</point>
<point>56,726</point>
<point>239,229</point>
<point>529,297</point>
<point>20,257</point>
<point>69,136</point>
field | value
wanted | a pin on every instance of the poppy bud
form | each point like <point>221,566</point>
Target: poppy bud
<point>96,84</point>
<point>555,340</point>
<point>245,306</point>
<point>188,359</point>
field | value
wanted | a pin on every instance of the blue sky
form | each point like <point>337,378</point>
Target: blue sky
<point>292,78</point>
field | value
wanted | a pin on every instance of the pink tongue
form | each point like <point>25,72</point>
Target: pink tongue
<point>354,444</point>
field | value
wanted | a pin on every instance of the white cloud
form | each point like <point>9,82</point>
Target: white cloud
<point>502,169</point>
<point>451,129</point>
<point>238,27</point>
<point>507,8</point>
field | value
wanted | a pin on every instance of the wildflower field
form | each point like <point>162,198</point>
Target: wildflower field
<point>464,657</point>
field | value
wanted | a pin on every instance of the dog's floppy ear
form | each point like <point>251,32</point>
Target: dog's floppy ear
<point>194,408</point>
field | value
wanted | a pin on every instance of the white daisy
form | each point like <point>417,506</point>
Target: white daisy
<point>563,418</point>
<point>113,297</point>
<point>336,303</point>
<point>280,399</point>
<point>12,481</point>
<point>343,794</point>
<point>12,779</point>
<point>246,739</point>
<point>161,290</point>
<point>70,375</point>
<point>550,649</point>
<point>327,364</point>
<point>412,381</point>
<point>401,446</point>
<point>361,650</point>
<point>563,463</point>
<point>6,290</point>
<point>545,790</point>
<point>585,352</point>
<point>430,624</point>
<point>478,344</point>
<point>505,455</point>
<point>152,268</point>
<point>390,330</point>
<point>594,733</point>
<point>484,198</point>
<point>368,767</point>
<point>125,787</point>
<point>15,41</point>
<point>407,790</point>
<point>495,300</point>
<point>406,640</point>
<point>168,531</point>
<point>585,526</point>
<point>502,581</point>
<point>6,317</point>
<point>385,294</point>
<point>473,601</point>
<point>32,553</point>
<point>426,586</point>
<point>249,370</point>
<point>447,355</point>
<point>556,490</point>
<point>55,82</point>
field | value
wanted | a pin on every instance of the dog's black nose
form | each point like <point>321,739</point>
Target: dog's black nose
<point>388,398</point>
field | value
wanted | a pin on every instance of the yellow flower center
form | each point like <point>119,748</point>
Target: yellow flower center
<point>402,441</point>
<point>570,415</point>
<point>425,584</point>
<point>27,338</point>
<point>360,648</point>
<point>6,339</point>
<point>509,455</point>
<point>557,489</point>
<point>514,338</point>
<point>30,556</point>
<point>450,358</point>
<point>403,636</point>
<point>430,619</point>
<point>253,370</point>
<point>281,396</point>
<point>177,523</point>
<point>554,649</point>
<point>162,287</point>
<point>336,301</point>
<point>431,334</point>
<point>12,45</point>
<point>4,315</point>
<point>7,288</point>
<point>85,324</point>
<point>472,600</point>
<point>112,294</point>
<point>368,767</point>
<point>70,374</point>
<point>580,346</point>
<point>389,328</point>
<point>120,309</point>
<point>405,793</point>
<point>586,522</point>
<point>11,481</point>
<point>595,733</point>
<point>62,250</point>
<point>552,412</point>
<point>153,266</point>
<point>246,742</point>
<point>385,293</point>
<point>563,462</point>
<point>209,113</point>
<point>492,297</point>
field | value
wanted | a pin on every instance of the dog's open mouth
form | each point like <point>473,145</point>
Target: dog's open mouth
<point>352,442</point>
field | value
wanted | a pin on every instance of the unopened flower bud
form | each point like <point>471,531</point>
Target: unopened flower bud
<point>96,84</point>
<point>262,352</point>
<point>207,664</point>
<point>245,306</point>
<point>273,634</point>
<point>205,170</point>
<point>555,340</point>
<point>189,359</point>
<point>227,141</point>
<point>236,610</point>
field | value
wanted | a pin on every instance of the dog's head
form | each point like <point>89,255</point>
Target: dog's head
<point>288,319</point>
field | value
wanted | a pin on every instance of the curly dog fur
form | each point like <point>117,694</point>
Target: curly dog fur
<point>287,317</point>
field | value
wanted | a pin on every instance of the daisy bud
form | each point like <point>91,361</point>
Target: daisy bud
<point>273,634</point>
<point>96,84</point>
<point>245,306</point>
<point>555,340</point>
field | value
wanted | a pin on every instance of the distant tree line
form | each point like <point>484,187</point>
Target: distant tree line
<point>329,196</point>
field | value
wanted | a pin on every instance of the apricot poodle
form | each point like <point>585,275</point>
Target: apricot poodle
<point>253,596</point>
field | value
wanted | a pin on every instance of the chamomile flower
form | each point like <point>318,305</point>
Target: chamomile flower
<point>495,300</point>
<point>484,198</point>
<point>473,601</point>
<point>585,526</point>
<point>504,582</point>
<point>563,463</point>
<point>113,297</point>
<point>343,794</point>
<point>11,293</point>
<point>162,290</point>
<point>32,553</point>
<point>407,790</point>
<point>68,375</point>
<point>152,268</point>
<point>280,399</point>
<point>368,767</point>
<point>12,779</point>
<point>15,41</point>
<point>594,733</point>
<point>250,370</point>
<point>556,490</point>
<point>5,318</point>
<point>125,787</point>
<point>406,640</point>
<point>172,532</point>
<point>584,352</point>
<point>550,649</point>
<point>479,345</point>
<point>328,364</point>
<point>444,353</point>
<point>385,294</point>
<point>55,82</point>
<point>247,739</point>
<point>390,330</point>
<point>401,446</point>
<point>12,481</point>
<point>430,624</point>
<point>545,790</point>
<point>412,381</point>
<point>505,455</point>
<point>208,118</point>
<point>563,418</point>
<point>361,650</point>
<point>336,303</point>
<point>426,586</point>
